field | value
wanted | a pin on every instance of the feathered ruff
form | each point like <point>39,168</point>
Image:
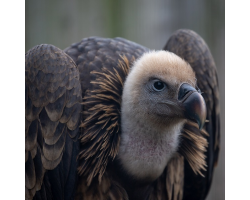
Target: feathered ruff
<point>100,136</point>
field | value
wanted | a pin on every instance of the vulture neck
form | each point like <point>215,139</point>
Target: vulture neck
<point>146,145</point>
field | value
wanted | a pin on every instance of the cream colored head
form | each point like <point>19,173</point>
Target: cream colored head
<point>139,93</point>
<point>151,119</point>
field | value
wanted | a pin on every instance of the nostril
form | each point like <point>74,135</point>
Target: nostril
<point>184,90</point>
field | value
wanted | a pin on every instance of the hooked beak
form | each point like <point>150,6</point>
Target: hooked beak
<point>193,104</point>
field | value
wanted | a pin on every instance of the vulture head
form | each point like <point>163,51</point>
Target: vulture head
<point>159,95</point>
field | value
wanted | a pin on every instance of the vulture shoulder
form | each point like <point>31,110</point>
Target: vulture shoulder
<point>73,122</point>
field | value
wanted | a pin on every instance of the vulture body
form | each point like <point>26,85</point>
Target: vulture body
<point>111,119</point>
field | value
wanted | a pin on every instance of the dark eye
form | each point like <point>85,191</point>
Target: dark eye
<point>159,86</point>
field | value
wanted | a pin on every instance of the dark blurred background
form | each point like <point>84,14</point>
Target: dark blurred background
<point>149,23</point>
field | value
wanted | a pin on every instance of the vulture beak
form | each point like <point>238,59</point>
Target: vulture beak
<point>193,104</point>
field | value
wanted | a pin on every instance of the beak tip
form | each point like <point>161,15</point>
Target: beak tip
<point>201,118</point>
<point>200,125</point>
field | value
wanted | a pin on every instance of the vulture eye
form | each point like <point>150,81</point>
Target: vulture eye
<point>159,86</point>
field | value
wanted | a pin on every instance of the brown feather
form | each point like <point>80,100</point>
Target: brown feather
<point>175,178</point>
<point>193,146</point>
<point>106,189</point>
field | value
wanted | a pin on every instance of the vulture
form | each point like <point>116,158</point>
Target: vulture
<point>111,119</point>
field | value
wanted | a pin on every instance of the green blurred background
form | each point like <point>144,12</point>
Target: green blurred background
<point>149,23</point>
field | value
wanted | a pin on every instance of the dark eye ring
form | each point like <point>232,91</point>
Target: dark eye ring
<point>159,86</point>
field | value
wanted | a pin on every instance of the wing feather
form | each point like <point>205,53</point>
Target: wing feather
<point>192,48</point>
<point>52,117</point>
